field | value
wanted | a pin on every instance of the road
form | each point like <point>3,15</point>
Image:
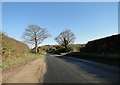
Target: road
<point>62,69</point>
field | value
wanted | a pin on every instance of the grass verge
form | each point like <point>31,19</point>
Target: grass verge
<point>109,58</point>
<point>10,62</point>
<point>112,56</point>
<point>64,53</point>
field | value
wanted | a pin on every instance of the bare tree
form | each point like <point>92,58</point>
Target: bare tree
<point>65,38</point>
<point>35,35</point>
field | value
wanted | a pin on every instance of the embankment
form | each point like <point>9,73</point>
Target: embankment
<point>104,45</point>
<point>104,50</point>
<point>13,48</point>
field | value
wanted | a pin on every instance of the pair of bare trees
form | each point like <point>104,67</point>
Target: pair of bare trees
<point>35,35</point>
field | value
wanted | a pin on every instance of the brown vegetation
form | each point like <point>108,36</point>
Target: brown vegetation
<point>13,48</point>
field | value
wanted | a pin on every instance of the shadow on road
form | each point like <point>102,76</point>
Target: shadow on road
<point>102,71</point>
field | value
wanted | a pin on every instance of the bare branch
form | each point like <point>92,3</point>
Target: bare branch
<point>65,38</point>
<point>35,35</point>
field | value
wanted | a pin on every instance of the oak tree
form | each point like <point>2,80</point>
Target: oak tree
<point>65,38</point>
<point>35,35</point>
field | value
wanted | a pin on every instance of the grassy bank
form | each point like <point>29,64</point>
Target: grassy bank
<point>11,46</point>
<point>104,58</point>
<point>10,62</point>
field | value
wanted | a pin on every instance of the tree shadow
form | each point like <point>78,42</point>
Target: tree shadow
<point>99,69</point>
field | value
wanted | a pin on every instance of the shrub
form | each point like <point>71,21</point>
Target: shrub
<point>40,51</point>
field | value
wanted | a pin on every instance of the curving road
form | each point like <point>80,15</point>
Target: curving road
<point>62,69</point>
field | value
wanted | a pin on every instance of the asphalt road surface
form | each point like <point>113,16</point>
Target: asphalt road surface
<point>61,69</point>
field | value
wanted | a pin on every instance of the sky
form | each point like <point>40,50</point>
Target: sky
<point>60,0</point>
<point>87,20</point>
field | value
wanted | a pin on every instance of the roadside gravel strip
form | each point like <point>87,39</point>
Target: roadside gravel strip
<point>31,72</point>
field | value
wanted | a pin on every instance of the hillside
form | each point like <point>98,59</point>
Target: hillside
<point>104,50</point>
<point>13,48</point>
<point>60,49</point>
<point>104,45</point>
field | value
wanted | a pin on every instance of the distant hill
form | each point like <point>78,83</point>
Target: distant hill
<point>59,48</point>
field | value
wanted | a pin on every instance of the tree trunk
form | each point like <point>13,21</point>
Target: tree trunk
<point>36,49</point>
<point>66,44</point>
<point>66,47</point>
<point>35,45</point>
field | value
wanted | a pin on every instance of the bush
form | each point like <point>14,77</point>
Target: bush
<point>40,51</point>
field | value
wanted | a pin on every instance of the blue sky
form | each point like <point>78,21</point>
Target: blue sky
<point>87,20</point>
